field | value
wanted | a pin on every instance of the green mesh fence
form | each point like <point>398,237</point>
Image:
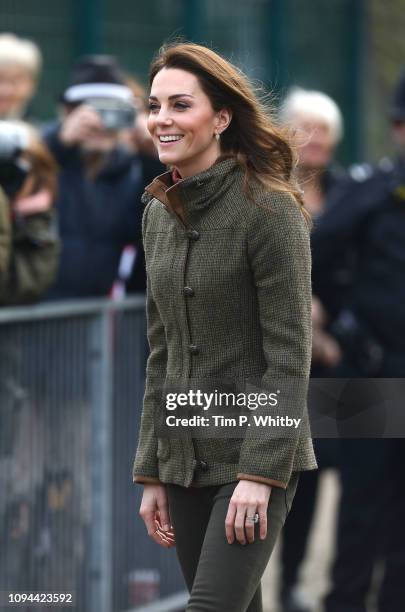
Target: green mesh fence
<point>313,43</point>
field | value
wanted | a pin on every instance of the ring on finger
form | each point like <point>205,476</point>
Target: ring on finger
<point>253,519</point>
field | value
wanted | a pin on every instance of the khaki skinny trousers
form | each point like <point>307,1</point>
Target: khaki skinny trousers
<point>222,577</point>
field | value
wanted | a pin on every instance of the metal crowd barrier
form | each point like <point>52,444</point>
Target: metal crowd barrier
<point>71,386</point>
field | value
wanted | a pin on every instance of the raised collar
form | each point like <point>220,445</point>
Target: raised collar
<point>193,193</point>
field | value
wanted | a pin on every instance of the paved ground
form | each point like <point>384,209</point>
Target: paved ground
<point>315,571</point>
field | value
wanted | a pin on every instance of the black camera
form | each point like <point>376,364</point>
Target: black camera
<point>13,169</point>
<point>115,114</point>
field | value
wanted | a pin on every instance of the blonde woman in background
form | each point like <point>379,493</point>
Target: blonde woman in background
<point>20,67</point>
<point>317,124</point>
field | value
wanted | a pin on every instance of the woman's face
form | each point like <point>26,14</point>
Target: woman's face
<point>183,123</point>
<point>16,89</point>
<point>315,142</point>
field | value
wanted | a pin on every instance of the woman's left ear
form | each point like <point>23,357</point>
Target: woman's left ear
<point>224,118</point>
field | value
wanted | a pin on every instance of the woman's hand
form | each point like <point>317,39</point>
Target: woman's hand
<point>80,124</point>
<point>248,499</point>
<point>155,512</point>
<point>33,204</point>
<point>325,349</point>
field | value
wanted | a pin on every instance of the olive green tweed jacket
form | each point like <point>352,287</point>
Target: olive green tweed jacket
<point>228,297</point>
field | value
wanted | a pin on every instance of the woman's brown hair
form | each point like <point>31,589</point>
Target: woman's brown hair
<point>43,172</point>
<point>262,148</point>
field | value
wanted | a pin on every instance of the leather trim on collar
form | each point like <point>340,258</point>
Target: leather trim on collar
<point>163,190</point>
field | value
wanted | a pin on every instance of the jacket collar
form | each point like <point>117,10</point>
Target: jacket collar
<point>194,193</point>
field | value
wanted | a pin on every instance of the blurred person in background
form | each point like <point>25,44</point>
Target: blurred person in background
<point>29,246</point>
<point>28,262</point>
<point>317,124</point>
<point>138,138</point>
<point>20,67</point>
<point>28,242</point>
<point>367,214</point>
<point>100,184</point>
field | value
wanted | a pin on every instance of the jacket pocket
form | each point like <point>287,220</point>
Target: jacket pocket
<point>163,449</point>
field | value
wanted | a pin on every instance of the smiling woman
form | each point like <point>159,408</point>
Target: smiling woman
<point>182,124</point>
<point>229,299</point>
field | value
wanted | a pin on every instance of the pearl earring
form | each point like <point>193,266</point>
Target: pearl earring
<point>217,136</point>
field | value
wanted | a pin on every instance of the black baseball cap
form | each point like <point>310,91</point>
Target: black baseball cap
<point>96,76</point>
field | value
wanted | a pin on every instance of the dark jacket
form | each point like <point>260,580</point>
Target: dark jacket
<point>335,282</point>
<point>331,178</point>
<point>367,215</point>
<point>28,255</point>
<point>97,217</point>
<point>229,298</point>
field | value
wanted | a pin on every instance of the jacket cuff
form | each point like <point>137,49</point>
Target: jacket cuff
<point>262,480</point>
<point>146,479</point>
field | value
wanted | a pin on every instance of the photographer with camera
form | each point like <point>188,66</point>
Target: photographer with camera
<point>101,182</point>
<point>28,261</point>
<point>28,242</point>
